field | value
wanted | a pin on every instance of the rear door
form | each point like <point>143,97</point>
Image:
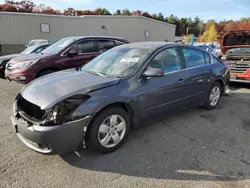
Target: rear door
<point>86,50</point>
<point>198,70</point>
<point>158,95</point>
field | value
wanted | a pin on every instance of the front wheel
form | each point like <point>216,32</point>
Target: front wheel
<point>213,97</point>
<point>108,131</point>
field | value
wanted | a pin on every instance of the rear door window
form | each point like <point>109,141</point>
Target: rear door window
<point>104,45</point>
<point>87,46</point>
<point>193,57</point>
<point>207,58</point>
<point>119,43</point>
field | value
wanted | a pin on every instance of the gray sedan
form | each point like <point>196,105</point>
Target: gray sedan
<point>96,105</point>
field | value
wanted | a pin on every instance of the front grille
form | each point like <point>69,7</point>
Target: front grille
<point>30,109</point>
<point>239,67</point>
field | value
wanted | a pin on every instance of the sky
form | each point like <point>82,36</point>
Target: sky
<point>205,9</point>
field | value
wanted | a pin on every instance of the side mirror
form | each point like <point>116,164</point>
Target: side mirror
<point>26,46</point>
<point>72,53</point>
<point>153,72</point>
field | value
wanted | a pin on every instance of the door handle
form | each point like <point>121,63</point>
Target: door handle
<point>180,81</point>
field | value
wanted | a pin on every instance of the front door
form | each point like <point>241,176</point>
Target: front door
<point>157,95</point>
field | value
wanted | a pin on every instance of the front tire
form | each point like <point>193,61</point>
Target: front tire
<point>108,130</point>
<point>213,96</point>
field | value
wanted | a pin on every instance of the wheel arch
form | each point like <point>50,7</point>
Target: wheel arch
<point>221,82</point>
<point>48,68</point>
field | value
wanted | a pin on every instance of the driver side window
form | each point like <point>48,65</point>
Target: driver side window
<point>168,59</point>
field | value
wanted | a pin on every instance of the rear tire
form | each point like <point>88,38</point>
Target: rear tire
<point>45,72</point>
<point>213,96</point>
<point>108,131</point>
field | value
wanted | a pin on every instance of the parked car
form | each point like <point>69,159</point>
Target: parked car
<point>97,103</point>
<point>67,53</point>
<point>218,51</point>
<point>236,48</point>
<point>208,49</point>
<point>36,42</point>
<point>6,58</point>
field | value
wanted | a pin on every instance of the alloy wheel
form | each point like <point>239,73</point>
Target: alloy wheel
<point>112,131</point>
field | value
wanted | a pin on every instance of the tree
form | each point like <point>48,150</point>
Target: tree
<point>8,8</point>
<point>49,10</point>
<point>245,25</point>
<point>126,12</point>
<point>84,12</point>
<point>210,33</point>
<point>136,13</point>
<point>146,14</point>
<point>101,11</point>
<point>154,16</point>
<point>160,17</point>
<point>69,12</point>
<point>232,25</point>
<point>118,12</point>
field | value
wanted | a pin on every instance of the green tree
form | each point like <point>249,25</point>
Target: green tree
<point>118,12</point>
<point>126,12</point>
<point>160,17</point>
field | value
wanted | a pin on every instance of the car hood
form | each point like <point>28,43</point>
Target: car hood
<point>235,39</point>
<point>4,57</point>
<point>49,90</point>
<point>28,57</point>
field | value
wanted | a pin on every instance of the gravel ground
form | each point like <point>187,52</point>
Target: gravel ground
<point>195,148</point>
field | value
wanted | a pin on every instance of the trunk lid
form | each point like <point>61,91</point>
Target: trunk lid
<point>235,39</point>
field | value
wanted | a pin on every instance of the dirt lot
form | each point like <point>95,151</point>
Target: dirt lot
<point>195,148</point>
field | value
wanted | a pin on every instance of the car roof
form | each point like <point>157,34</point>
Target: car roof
<point>96,37</point>
<point>155,45</point>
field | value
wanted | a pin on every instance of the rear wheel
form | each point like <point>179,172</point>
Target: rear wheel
<point>213,97</point>
<point>108,131</point>
<point>45,72</point>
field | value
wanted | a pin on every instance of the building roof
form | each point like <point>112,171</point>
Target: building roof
<point>89,16</point>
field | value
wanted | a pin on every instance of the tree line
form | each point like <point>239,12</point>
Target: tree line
<point>204,31</point>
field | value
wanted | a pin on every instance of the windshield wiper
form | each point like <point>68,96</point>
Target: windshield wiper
<point>95,73</point>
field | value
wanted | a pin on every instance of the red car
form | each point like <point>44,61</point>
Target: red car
<point>66,53</point>
<point>235,46</point>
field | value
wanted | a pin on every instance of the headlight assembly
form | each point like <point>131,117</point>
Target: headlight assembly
<point>23,64</point>
<point>62,111</point>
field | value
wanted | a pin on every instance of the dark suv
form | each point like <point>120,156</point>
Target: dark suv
<point>67,53</point>
<point>97,102</point>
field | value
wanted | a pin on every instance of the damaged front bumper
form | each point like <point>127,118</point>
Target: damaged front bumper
<point>49,139</point>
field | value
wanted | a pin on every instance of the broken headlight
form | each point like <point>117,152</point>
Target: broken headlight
<point>62,111</point>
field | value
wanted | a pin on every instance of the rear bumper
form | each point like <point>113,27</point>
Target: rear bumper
<point>51,139</point>
<point>240,81</point>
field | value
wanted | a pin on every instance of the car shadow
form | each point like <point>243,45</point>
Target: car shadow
<point>190,145</point>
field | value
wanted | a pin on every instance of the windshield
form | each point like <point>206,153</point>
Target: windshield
<point>58,46</point>
<point>29,50</point>
<point>118,62</point>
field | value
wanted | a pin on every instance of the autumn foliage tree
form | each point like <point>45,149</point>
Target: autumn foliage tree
<point>210,33</point>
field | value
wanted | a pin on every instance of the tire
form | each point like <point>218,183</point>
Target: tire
<point>45,72</point>
<point>209,105</point>
<point>94,136</point>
